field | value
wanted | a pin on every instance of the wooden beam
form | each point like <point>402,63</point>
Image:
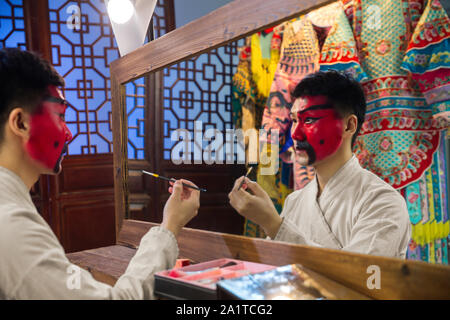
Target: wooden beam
<point>37,27</point>
<point>231,22</point>
<point>120,134</point>
<point>400,279</point>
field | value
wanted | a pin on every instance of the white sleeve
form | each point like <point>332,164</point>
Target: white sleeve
<point>289,231</point>
<point>34,266</point>
<point>383,227</point>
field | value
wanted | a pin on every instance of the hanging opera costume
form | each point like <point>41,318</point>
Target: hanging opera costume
<point>404,50</point>
<point>399,51</point>
<point>404,67</point>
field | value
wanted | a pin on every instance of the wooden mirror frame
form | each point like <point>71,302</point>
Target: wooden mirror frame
<point>401,279</point>
<point>231,22</point>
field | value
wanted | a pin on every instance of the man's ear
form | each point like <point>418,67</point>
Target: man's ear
<point>19,123</point>
<point>351,123</point>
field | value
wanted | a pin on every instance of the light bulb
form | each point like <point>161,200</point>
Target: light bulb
<point>120,11</point>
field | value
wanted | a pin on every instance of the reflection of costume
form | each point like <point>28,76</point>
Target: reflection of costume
<point>258,60</point>
<point>403,54</point>
<point>428,59</point>
<point>356,211</point>
<point>399,136</point>
<point>34,266</point>
<point>300,56</point>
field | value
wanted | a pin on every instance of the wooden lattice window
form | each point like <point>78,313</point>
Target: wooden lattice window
<point>12,24</point>
<point>81,53</point>
<point>137,111</point>
<point>199,89</point>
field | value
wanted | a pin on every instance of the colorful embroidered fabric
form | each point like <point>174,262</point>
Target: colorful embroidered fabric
<point>339,51</point>
<point>300,57</point>
<point>247,104</point>
<point>251,84</point>
<point>427,58</point>
<point>399,136</point>
<point>401,139</point>
<point>427,203</point>
<point>433,252</point>
<point>265,47</point>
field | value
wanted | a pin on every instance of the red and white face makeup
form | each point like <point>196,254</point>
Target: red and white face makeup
<point>316,130</point>
<point>49,134</point>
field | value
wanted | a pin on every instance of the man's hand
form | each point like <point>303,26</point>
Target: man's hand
<point>257,207</point>
<point>181,206</point>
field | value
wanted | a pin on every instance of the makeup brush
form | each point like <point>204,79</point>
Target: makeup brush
<point>173,180</point>
<point>246,175</point>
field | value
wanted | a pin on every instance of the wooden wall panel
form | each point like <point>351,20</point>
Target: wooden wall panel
<point>82,198</point>
<point>87,222</point>
<point>82,173</point>
<point>215,213</point>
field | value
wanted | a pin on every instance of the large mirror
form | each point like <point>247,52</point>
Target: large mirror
<point>197,119</point>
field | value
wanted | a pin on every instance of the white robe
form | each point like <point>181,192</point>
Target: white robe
<point>33,264</point>
<point>357,211</point>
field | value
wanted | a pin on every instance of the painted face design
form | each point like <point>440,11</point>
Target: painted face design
<point>49,134</point>
<point>316,130</point>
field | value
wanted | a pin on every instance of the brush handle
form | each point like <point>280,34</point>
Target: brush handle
<point>243,180</point>
<point>189,186</point>
<point>174,180</point>
<point>184,184</point>
<point>242,183</point>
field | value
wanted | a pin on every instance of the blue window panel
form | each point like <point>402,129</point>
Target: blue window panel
<point>82,57</point>
<point>12,25</point>
<point>99,143</point>
<point>202,92</point>
<point>78,141</point>
<point>20,24</point>
<point>166,154</point>
<point>6,27</point>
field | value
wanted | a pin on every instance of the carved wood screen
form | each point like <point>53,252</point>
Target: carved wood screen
<point>197,89</point>
<point>82,45</point>
<point>12,24</point>
<point>78,204</point>
<point>82,50</point>
<point>137,91</point>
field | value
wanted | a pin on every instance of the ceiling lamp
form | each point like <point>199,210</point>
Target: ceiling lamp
<point>120,11</point>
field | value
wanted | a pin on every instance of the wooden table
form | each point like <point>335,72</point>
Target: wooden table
<point>400,279</point>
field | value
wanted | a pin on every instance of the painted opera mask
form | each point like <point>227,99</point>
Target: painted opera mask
<point>49,134</point>
<point>316,130</point>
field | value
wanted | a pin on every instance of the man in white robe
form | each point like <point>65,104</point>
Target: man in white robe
<point>33,138</point>
<point>345,206</point>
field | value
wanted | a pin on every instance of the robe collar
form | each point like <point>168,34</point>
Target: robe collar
<point>15,185</point>
<point>338,183</point>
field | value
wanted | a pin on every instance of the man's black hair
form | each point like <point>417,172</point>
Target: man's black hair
<point>342,90</point>
<point>24,79</point>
